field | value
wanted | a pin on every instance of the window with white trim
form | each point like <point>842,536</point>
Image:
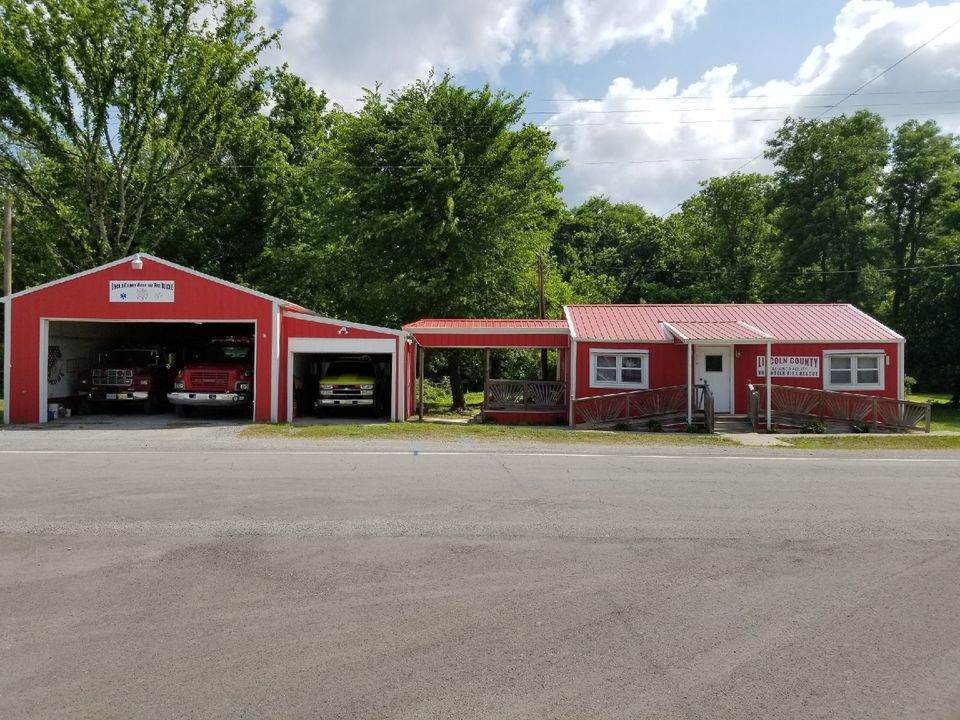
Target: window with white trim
<point>618,369</point>
<point>854,371</point>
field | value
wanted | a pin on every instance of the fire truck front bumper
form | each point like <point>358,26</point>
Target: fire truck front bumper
<point>202,399</point>
<point>105,396</point>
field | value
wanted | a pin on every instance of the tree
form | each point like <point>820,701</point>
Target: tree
<point>434,201</point>
<point>828,178</point>
<point>589,247</point>
<point>923,165</point>
<point>111,110</point>
<point>731,219</point>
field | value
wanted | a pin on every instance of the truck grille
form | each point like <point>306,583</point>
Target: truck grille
<point>208,380</point>
<point>112,377</point>
<point>347,391</point>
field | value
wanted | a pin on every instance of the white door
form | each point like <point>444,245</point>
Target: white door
<point>713,366</point>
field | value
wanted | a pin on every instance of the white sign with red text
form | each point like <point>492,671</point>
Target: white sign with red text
<point>789,366</point>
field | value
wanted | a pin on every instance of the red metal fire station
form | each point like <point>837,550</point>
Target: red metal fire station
<point>608,361</point>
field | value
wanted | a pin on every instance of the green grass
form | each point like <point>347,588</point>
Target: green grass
<point>439,431</point>
<point>874,442</point>
<point>437,405</point>
<point>943,415</point>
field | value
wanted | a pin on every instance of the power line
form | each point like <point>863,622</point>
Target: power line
<point>748,108</point>
<point>852,93</point>
<point>749,95</point>
<point>772,271</point>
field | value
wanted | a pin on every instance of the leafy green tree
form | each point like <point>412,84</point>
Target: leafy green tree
<point>111,111</point>
<point>923,165</point>
<point>730,218</point>
<point>589,245</point>
<point>434,202</point>
<point>828,175</point>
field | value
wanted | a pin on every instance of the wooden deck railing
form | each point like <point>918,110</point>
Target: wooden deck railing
<point>659,403</point>
<point>807,404</point>
<point>703,402</point>
<point>527,395</point>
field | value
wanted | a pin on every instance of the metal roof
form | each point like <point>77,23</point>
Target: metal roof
<point>723,330</point>
<point>486,325</point>
<point>781,322</point>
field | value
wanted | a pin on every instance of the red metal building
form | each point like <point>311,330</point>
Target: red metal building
<point>612,349</point>
<point>51,332</point>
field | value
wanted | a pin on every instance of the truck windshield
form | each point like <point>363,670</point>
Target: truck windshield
<point>129,358</point>
<point>349,368</point>
<point>223,353</point>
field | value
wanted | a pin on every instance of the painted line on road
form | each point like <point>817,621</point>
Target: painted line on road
<point>482,453</point>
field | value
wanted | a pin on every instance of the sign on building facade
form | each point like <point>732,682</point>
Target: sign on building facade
<point>789,366</point>
<point>141,291</point>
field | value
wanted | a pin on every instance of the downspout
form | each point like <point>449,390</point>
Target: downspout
<point>689,383</point>
<point>901,370</point>
<point>769,386</point>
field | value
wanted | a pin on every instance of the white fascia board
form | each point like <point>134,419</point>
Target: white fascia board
<point>664,325</point>
<point>875,322</point>
<point>159,261</point>
<point>321,320</point>
<point>570,325</point>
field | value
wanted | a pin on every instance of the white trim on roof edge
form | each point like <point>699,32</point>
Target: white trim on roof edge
<point>320,319</point>
<point>570,326</point>
<point>161,261</point>
<point>874,320</point>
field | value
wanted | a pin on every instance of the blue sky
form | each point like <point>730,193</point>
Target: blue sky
<point>620,84</point>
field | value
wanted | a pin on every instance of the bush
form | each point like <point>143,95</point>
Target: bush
<point>437,392</point>
<point>909,383</point>
<point>814,427</point>
<point>654,426</point>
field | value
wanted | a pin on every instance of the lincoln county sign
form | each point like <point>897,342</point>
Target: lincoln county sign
<point>141,291</point>
<point>789,366</point>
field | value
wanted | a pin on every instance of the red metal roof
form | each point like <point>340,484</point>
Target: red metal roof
<point>460,324</point>
<point>783,322</point>
<point>724,330</point>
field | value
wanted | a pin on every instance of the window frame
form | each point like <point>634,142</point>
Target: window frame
<point>854,356</point>
<point>619,353</point>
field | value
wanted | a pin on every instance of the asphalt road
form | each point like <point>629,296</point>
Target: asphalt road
<point>190,574</point>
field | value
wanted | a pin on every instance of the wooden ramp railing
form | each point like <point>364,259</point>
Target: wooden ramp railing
<point>660,403</point>
<point>795,404</point>
<point>519,395</point>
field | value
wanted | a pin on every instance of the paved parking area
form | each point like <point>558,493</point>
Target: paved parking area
<point>181,572</point>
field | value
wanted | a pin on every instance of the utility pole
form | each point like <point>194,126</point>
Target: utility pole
<point>7,247</point>
<point>543,314</point>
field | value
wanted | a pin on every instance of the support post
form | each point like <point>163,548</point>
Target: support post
<point>486,382</point>
<point>769,370</point>
<point>7,249</point>
<point>423,354</point>
<point>689,383</point>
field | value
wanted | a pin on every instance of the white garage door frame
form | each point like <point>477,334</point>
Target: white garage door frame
<point>45,348</point>
<point>342,346</point>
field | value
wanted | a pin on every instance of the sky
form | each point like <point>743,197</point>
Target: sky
<point>644,98</point>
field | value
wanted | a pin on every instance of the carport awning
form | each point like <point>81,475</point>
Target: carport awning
<point>490,333</point>
<point>717,331</point>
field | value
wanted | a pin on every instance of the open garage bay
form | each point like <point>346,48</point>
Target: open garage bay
<point>187,573</point>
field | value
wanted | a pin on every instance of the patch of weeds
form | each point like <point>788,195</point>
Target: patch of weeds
<point>654,426</point>
<point>814,427</point>
<point>621,427</point>
<point>861,426</point>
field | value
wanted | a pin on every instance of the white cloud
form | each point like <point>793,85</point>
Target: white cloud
<point>609,150</point>
<point>341,46</point>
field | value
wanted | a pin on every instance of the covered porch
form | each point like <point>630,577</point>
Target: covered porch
<point>511,401</point>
